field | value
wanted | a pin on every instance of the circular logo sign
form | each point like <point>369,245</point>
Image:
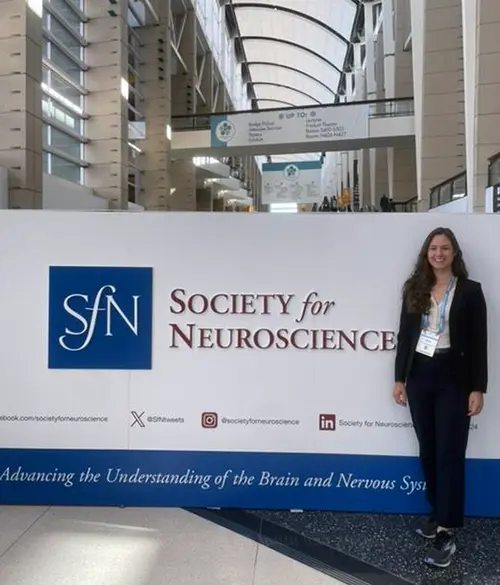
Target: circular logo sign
<point>291,172</point>
<point>225,131</point>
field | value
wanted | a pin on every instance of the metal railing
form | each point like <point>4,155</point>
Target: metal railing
<point>450,190</point>
<point>408,206</point>
<point>494,170</point>
<point>392,108</point>
<point>387,108</point>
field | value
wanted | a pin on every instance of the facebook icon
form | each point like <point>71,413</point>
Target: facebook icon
<point>100,318</point>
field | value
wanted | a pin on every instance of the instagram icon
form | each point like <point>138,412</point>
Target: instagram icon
<point>327,422</point>
<point>209,420</point>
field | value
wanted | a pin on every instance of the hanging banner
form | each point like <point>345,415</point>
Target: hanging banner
<point>139,369</point>
<point>325,123</point>
<point>291,182</point>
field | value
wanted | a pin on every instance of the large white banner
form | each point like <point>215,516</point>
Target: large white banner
<point>291,182</point>
<point>137,370</point>
<point>321,124</point>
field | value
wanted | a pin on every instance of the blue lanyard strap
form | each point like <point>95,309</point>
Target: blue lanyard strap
<point>442,308</point>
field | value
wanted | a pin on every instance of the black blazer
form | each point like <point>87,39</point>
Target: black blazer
<point>468,336</point>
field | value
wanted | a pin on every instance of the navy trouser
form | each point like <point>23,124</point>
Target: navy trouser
<point>439,407</point>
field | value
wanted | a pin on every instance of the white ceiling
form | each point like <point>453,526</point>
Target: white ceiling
<point>292,95</point>
<point>268,104</point>
<point>305,70</point>
<point>337,14</point>
<point>271,73</point>
<point>316,35</point>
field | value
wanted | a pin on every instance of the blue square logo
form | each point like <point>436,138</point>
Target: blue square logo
<point>100,318</point>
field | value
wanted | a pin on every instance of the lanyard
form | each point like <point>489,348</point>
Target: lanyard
<point>442,308</point>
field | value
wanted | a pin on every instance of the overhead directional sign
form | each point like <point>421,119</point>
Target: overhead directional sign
<point>291,182</point>
<point>288,126</point>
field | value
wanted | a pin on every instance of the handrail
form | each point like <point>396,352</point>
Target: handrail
<point>409,205</point>
<point>309,107</point>
<point>378,109</point>
<point>449,180</point>
<point>494,170</point>
<point>445,191</point>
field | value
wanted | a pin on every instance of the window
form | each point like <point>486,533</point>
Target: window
<point>46,135</point>
<point>65,143</point>
<point>62,91</point>
<point>65,91</point>
<point>52,109</point>
<point>65,37</point>
<point>46,163</point>
<point>46,49</point>
<point>66,64</point>
<point>65,169</point>
<point>69,14</point>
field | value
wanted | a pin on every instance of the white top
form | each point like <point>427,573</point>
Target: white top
<point>444,338</point>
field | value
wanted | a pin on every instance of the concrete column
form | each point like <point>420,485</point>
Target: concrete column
<point>345,169</point>
<point>249,167</point>
<point>371,90</point>
<point>405,174</point>
<point>389,76</point>
<point>362,155</point>
<point>184,102</point>
<point>470,30</point>
<point>371,83</point>
<point>417,13</point>
<point>338,174</point>
<point>404,185</point>
<point>381,175</point>
<point>364,178</point>
<point>482,93</point>
<point>441,119</point>
<point>204,199</point>
<point>257,195</point>
<point>21,124</point>
<point>183,173</point>
<point>107,101</point>
<point>156,55</point>
<point>218,204</point>
<point>206,84</point>
<point>403,65</point>
<point>184,96</point>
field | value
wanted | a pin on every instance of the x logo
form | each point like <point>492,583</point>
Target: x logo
<point>137,419</point>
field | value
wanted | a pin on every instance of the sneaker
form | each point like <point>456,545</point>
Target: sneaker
<point>443,549</point>
<point>427,528</point>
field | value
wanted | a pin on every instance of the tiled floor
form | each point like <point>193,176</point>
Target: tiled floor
<point>388,543</point>
<point>113,546</point>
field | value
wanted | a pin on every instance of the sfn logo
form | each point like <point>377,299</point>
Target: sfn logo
<point>100,318</point>
<point>291,172</point>
<point>327,422</point>
<point>209,420</point>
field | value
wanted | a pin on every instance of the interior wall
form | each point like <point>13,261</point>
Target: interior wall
<point>61,194</point>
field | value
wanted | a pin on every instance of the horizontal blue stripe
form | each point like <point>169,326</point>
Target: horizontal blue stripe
<point>379,484</point>
<point>309,165</point>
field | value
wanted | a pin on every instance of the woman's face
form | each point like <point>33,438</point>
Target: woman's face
<point>440,253</point>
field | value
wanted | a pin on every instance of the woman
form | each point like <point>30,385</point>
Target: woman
<point>441,372</point>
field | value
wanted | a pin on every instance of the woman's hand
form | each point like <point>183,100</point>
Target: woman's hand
<point>476,403</point>
<point>399,394</point>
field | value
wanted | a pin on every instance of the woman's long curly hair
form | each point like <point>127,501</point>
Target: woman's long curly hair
<point>417,289</point>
